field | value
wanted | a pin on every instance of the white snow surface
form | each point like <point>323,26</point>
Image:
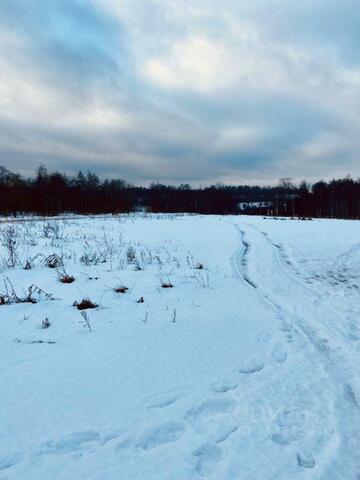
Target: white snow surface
<point>248,368</point>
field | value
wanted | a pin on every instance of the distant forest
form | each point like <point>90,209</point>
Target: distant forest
<point>52,193</point>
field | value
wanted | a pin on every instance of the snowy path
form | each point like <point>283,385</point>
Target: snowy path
<point>318,317</point>
<point>255,375</point>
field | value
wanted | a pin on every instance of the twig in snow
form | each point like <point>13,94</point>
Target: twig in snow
<point>86,322</point>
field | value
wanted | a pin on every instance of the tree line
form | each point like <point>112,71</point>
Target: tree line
<point>52,193</point>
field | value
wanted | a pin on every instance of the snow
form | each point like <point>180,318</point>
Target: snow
<point>248,368</point>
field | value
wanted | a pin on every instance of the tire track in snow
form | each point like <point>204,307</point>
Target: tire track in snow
<point>240,260</point>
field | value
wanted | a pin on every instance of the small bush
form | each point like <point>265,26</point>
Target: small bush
<point>90,258</point>
<point>28,265</point>
<point>9,238</point>
<point>65,277</point>
<point>53,261</point>
<point>130,255</point>
<point>45,323</point>
<point>52,230</point>
<point>9,296</point>
<point>121,289</point>
<point>137,266</point>
<point>85,304</point>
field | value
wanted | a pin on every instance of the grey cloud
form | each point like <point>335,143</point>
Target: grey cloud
<point>85,55</point>
<point>324,23</point>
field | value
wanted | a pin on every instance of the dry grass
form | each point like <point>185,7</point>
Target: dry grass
<point>66,279</point>
<point>121,289</point>
<point>85,304</point>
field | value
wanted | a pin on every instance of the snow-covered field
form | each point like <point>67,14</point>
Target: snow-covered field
<point>246,367</point>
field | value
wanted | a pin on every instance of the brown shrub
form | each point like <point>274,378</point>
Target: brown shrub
<point>85,304</point>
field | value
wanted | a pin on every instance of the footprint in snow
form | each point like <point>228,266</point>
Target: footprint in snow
<point>285,325</point>
<point>225,430</point>
<point>8,461</point>
<point>162,401</point>
<point>75,442</point>
<point>279,353</point>
<point>353,331</point>
<point>223,386</point>
<point>161,435</point>
<point>124,444</point>
<point>252,365</point>
<point>115,435</point>
<point>289,426</point>
<point>210,408</point>
<point>207,459</point>
<point>354,442</point>
<point>305,460</point>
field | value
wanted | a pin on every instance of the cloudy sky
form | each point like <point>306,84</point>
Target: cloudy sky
<point>181,90</point>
